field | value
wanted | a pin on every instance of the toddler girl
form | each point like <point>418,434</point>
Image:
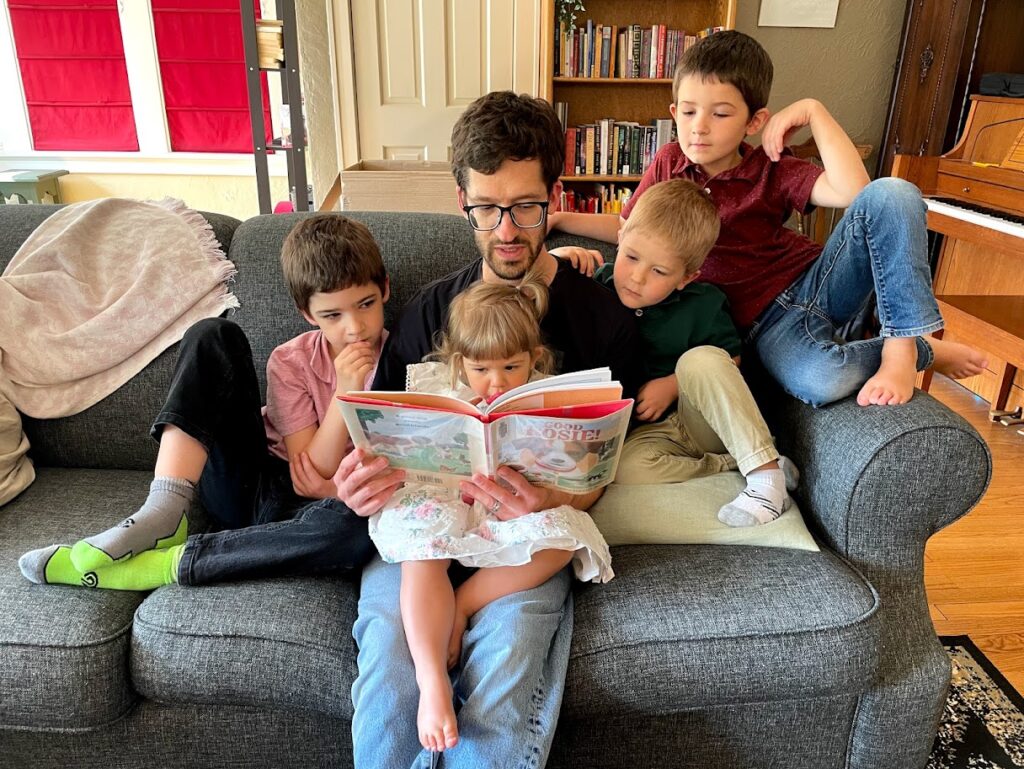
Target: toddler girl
<point>492,344</point>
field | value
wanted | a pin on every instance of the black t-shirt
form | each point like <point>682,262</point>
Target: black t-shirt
<point>585,327</point>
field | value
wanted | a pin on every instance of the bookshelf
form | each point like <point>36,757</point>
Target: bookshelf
<point>639,100</point>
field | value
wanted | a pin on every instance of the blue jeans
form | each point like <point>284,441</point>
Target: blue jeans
<point>879,246</point>
<point>508,686</point>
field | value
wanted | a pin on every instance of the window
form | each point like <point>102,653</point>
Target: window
<point>202,69</point>
<point>73,73</point>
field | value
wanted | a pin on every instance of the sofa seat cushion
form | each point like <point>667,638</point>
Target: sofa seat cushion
<point>276,643</point>
<point>64,650</point>
<point>692,626</point>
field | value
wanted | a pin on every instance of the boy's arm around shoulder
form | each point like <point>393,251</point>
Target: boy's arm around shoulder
<point>844,176</point>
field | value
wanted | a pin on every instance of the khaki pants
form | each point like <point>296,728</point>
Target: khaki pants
<point>716,427</point>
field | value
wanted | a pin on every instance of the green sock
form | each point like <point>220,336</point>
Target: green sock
<point>146,571</point>
<point>161,522</point>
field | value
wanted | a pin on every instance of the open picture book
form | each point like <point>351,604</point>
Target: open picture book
<point>564,432</point>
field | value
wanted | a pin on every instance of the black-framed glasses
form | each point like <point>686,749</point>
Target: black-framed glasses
<point>525,216</point>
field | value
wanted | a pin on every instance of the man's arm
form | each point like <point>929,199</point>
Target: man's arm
<point>598,226</point>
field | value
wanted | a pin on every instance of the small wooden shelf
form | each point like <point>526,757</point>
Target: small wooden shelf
<point>612,80</point>
<point>600,178</point>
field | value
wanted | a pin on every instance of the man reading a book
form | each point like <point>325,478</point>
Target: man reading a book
<point>507,154</point>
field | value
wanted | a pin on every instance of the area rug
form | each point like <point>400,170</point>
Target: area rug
<point>983,722</point>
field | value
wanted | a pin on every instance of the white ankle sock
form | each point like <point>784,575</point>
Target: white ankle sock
<point>763,500</point>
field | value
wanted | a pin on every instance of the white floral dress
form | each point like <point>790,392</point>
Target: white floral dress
<point>423,523</point>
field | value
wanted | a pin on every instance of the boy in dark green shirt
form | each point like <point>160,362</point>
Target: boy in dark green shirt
<point>691,348</point>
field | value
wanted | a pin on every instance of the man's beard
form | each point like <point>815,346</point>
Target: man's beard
<point>506,270</point>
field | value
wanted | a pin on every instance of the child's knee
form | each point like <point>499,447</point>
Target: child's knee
<point>699,364</point>
<point>892,196</point>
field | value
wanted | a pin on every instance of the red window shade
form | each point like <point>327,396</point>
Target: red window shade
<point>73,71</point>
<point>202,66</point>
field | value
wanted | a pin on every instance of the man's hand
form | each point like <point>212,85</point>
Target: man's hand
<point>515,498</point>
<point>307,482</point>
<point>366,483</point>
<point>353,364</point>
<point>586,260</point>
<point>783,124</point>
<point>655,397</point>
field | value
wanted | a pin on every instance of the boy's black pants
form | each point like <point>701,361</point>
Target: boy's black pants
<point>266,529</point>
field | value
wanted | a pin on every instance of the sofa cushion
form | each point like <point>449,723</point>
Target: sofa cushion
<point>278,643</point>
<point>64,650</point>
<point>692,626</point>
<point>687,513</point>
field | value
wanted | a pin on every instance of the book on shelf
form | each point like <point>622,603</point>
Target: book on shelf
<point>604,199</point>
<point>615,147</point>
<point>563,432</point>
<point>597,50</point>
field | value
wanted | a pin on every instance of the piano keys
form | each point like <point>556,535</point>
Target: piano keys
<point>975,199</point>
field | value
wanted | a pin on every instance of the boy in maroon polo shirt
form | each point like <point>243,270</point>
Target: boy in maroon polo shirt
<point>789,295</point>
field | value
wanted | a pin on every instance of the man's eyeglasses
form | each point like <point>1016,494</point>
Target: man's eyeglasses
<point>525,216</point>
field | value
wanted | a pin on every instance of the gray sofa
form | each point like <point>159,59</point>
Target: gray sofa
<point>694,656</point>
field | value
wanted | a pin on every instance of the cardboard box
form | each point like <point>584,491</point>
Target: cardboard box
<point>399,185</point>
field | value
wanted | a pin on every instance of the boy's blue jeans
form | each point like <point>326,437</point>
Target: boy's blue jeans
<point>880,247</point>
<point>508,685</point>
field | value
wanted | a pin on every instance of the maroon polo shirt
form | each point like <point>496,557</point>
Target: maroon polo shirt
<point>756,257</point>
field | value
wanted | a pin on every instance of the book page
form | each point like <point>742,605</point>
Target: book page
<point>412,400</point>
<point>586,376</point>
<point>433,447</point>
<point>571,453</point>
<point>557,397</point>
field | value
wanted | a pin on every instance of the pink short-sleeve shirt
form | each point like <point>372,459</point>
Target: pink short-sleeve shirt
<point>300,387</point>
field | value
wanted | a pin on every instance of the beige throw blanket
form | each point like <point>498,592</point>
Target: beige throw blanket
<point>96,292</point>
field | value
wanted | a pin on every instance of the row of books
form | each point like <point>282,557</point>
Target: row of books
<point>603,50</point>
<point>604,199</point>
<point>614,148</point>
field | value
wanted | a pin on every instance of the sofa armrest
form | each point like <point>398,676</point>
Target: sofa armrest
<point>878,481</point>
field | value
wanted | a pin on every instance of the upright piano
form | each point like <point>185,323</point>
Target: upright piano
<point>975,199</point>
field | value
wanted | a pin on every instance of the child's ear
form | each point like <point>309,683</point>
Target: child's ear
<point>387,290</point>
<point>535,355</point>
<point>688,280</point>
<point>309,318</point>
<point>756,123</point>
<point>672,110</point>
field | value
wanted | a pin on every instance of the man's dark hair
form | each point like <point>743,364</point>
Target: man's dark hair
<point>502,126</point>
<point>329,252</point>
<point>729,57</point>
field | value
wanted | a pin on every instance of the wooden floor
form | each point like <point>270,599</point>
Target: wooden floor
<point>974,570</point>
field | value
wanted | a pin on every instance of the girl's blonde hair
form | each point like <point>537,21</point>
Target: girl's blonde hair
<point>489,321</point>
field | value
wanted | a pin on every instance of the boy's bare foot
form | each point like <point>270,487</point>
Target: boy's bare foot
<point>893,383</point>
<point>955,360</point>
<point>435,719</point>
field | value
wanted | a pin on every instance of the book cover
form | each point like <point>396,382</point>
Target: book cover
<point>570,151</point>
<point>606,51</point>
<point>637,42</point>
<point>564,432</point>
<point>662,43</point>
<point>645,53</point>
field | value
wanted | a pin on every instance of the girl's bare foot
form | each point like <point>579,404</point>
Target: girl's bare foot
<point>955,360</point>
<point>435,719</point>
<point>893,383</point>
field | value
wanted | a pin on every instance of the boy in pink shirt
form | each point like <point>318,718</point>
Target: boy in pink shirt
<point>255,469</point>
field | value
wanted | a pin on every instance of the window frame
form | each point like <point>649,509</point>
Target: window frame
<point>154,155</point>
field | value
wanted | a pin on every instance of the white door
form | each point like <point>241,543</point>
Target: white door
<point>418,63</point>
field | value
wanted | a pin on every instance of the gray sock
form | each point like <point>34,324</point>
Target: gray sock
<point>160,522</point>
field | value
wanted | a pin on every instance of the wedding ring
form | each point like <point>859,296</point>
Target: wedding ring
<point>496,506</point>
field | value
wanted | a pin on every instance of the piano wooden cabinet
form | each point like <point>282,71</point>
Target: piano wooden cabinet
<point>975,198</point>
